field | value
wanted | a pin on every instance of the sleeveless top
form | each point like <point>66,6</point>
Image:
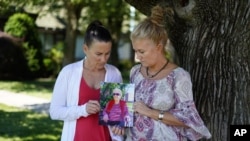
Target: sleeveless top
<point>88,128</point>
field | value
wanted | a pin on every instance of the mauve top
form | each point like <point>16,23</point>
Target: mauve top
<point>172,93</point>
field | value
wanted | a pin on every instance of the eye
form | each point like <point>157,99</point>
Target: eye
<point>107,53</point>
<point>140,51</point>
<point>98,54</point>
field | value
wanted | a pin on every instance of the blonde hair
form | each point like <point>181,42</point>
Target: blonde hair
<point>153,28</point>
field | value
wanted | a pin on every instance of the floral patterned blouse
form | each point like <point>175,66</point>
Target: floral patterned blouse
<point>173,94</point>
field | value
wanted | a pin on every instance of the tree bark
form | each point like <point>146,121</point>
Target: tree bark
<point>114,25</point>
<point>211,39</point>
<point>71,33</point>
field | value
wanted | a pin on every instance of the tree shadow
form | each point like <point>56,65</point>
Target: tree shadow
<point>39,108</point>
<point>28,125</point>
<point>34,85</point>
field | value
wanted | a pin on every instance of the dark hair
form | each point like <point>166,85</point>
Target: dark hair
<point>96,31</point>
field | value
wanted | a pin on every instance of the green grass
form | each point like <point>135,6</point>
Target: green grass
<point>39,88</point>
<point>24,125</point>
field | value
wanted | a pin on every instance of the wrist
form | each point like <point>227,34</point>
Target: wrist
<point>161,115</point>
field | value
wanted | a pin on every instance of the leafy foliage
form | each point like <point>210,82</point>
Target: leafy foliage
<point>19,25</point>
<point>53,59</point>
<point>23,26</point>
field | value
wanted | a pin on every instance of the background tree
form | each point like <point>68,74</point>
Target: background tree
<point>79,13</point>
<point>74,9</point>
<point>212,40</point>
<point>113,14</point>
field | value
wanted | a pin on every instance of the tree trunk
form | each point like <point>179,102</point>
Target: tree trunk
<point>212,41</point>
<point>114,26</point>
<point>71,33</point>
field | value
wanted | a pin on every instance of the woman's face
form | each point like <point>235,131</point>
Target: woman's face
<point>117,94</point>
<point>98,53</point>
<point>146,51</point>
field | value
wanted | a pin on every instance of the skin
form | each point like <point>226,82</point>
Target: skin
<point>116,97</point>
<point>97,56</point>
<point>151,56</point>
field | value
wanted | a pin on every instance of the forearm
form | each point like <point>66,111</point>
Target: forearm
<point>67,113</point>
<point>168,118</point>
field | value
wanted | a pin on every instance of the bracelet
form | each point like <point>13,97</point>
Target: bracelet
<point>161,115</point>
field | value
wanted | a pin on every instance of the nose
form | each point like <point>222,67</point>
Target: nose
<point>137,57</point>
<point>104,59</point>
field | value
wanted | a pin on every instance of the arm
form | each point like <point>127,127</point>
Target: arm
<point>105,114</point>
<point>185,109</point>
<point>184,113</point>
<point>126,112</point>
<point>60,108</point>
<point>168,118</point>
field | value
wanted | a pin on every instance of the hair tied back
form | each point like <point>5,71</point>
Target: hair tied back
<point>159,13</point>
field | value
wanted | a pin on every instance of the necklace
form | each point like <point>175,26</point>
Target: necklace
<point>151,76</point>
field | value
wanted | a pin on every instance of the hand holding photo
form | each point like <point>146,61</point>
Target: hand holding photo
<point>116,104</point>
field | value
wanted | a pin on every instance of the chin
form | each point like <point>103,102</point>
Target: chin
<point>144,64</point>
<point>101,66</point>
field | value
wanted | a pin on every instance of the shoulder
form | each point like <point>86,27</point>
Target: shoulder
<point>179,71</point>
<point>113,74</point>
<point>135,68</point>
<point>181,75</point>
<point>134,71</point>
<point>110,67</point>
<point>72,67</point>
<point>123,101</point>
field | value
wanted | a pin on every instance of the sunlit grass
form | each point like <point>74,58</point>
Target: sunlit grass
<point>40,88</point>
<point>24,125</point>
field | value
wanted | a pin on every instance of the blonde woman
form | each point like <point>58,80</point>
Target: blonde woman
<point>164,106</point>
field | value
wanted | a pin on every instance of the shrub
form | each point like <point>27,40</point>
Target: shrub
<point>53,60</point>
<point>23,26</point>
<point>13,64</point>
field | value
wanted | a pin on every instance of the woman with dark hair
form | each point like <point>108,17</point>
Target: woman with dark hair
<point>76,93</point>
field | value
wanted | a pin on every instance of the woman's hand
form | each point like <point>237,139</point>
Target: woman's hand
<point>141,108</point>
<point>93,107</point>
<point>117,130</point>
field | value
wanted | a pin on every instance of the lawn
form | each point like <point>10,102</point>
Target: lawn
<point>39,88</point>
<point>24,125</point>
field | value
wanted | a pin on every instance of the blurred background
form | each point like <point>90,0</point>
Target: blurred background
<point>38,38</point>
